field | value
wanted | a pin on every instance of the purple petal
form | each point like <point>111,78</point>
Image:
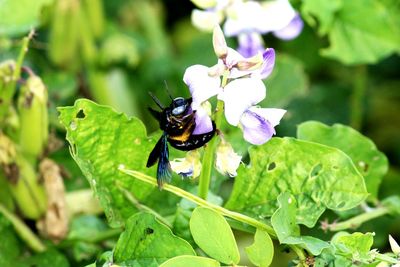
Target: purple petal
<point>268,63</point>
<point>256,129</point>
<point>273,115</point>
<point>250,44</point>
<point>201,85</point>
<point>292,30</point>
<point>203,122</point>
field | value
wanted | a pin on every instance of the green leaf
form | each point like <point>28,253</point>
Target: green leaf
<point>184,261</point>
<point>20,16</point>
<point>282,90</point>
<point>214,236</point>
<point>49,258</point>
<point>359,31</point>
<point>288,232</point>
<point>370,162</point>
<point>146,238</point>
<point>261,252</point>
<point>100,141</point>
<point>319,177</point>
<point>355,246</point>
<point>9,245</point>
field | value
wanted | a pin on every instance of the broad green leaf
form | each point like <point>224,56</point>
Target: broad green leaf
<point>355,246</point>
<point>282,90</point>
<point>261,252</point>
<point>288,232</point>
<point>20,16</point>
<point>100,141</point>
<point>359,31</point>
<point>214,236</point>
<point>370,162</point>
<point>185,261</point>
<point>146,238</point>
<point>184,211</point>
<point>319,177</point>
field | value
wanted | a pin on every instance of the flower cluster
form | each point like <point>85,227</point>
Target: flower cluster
<point>248,20</point>
<point>237,81</point>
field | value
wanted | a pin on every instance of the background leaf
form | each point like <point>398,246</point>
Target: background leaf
<point>19,16</point>
<point>370,162</point>
<point>101,140</point>
<point>288,232</point>
<point>261,251</point>
<point>214,236</point>
<point>184,261</point>
<point>146,238</point>
<point>359,31</point>
<point>318,176</point>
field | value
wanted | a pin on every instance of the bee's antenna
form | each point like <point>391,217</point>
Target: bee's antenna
<point>168,91</point>
<point>156,100</point>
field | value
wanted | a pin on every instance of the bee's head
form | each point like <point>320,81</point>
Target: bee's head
<point>179,106</point>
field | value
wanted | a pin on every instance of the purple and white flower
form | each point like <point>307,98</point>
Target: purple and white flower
<point>240,95</point>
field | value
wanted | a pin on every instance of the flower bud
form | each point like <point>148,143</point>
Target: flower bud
<point>219,43</point>
<point>227,160</point>
<point>394,246</point>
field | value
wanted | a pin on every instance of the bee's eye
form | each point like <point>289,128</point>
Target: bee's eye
<point>179,110</point>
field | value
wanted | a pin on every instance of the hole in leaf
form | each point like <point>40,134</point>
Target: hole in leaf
<point>271,166</point>
<point>149,231</point>
<point>316,170</point>
<point>81,114</point>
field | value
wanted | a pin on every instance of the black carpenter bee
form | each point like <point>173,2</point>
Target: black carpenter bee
<point>178,123</point>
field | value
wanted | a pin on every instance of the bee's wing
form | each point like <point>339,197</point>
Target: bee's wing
<point>163,168</point>
<point>155,153</point>
<point>161,153</point>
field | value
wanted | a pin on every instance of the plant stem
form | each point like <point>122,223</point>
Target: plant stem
<point>209,150</point>
<point>23,231</point>
<point>201,202</point>
<point>359,89</point>
<point>358,220</point>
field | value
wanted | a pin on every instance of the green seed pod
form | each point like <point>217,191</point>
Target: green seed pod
<point>28,193</point>
<point>93,10</point>
<point>33,114</point>
<point>87,44</point>
<point>64,32</point>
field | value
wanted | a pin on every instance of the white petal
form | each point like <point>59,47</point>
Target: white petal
<point>206,20</point>
<point>242,17</point>
<point>227,161</point>
<point>276,15</point>
<point>273,115</point>
<point>201,85</point>
<point>239,95</point>
<point>188,166</point>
